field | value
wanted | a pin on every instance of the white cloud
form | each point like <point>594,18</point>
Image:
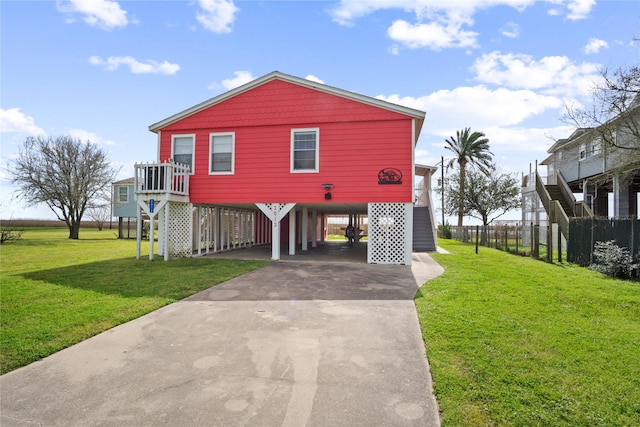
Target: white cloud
<point>434,35</point>
<point>440,24</point>
<point>112,63</point>
<point>217,15</point>
<point>14,120</point>
<point>86,136</point>
<point>580,9</point>
<point>511,30</point>
<point>480,107</point>
<point>314,79</point>
<point>240,78</point>
<point>594,45</point>
<point>104,14</point>
<point>556,75</point>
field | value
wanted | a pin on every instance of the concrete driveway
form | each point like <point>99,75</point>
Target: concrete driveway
<point>291,344</point>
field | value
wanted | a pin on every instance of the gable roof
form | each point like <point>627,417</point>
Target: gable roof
<point>416,114</point>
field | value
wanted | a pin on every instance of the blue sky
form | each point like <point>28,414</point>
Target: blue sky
<point>105,70</point>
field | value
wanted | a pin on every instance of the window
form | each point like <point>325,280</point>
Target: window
<point>123,194</point>
<point>182,149</point>
<point>583,152</point>
<point>304,150</point>
<point>221,157</point>
<point>596,146</point>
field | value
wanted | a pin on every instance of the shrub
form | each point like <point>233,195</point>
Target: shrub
<point>615,261</point>
<point>10,234</point>
<point>445,230</point>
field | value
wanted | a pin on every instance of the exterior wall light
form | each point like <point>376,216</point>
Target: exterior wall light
<point>327,187</point>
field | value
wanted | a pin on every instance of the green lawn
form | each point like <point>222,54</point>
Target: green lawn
<point>55,292</point>
<point>518,342</point>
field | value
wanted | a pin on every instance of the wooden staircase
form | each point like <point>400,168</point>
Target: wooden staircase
<point>556,194</point>
<point>423,238</point>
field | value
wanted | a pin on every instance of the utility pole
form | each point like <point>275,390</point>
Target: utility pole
<point>442,185</point>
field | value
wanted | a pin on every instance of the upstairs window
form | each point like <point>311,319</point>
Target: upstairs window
<point>221,158</point>
<point>583,152</point>
<point>596,146</point>
<point>182,149</point>
<point>304,150</point>
<point>122,194</point>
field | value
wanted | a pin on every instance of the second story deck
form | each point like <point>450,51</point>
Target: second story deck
<point>162,181</point>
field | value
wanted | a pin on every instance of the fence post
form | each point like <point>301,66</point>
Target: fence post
<point>559,245</point>
<point>535,250</point>
<point>549,244</point>
<point>516,237</point>
<point>477,231</point>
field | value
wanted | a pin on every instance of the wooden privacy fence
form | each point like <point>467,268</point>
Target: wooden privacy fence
<point>584,233</point>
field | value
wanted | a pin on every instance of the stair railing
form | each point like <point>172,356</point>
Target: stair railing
<point>580,208</point>
<point>545,198</point>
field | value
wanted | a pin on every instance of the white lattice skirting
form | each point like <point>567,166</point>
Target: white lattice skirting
<point>180,229</point>
<point>390,229</point>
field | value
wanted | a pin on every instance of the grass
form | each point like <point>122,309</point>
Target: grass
<point>55,292</point>
<point>516,342</point>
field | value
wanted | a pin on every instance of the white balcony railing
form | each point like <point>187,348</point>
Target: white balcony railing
<point>163,178</point>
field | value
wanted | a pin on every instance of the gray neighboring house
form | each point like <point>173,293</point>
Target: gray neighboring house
<point>584,163</point>
<point>124,205</point>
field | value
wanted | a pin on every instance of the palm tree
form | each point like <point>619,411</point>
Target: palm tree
<point>468,148</point>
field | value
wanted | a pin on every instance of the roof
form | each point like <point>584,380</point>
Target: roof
<point>125,181</point>
<point>421,170</point>
<point>416,114</point>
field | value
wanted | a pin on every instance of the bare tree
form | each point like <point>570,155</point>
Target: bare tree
<point>64,173</point>
<point>614,117</point>
<point>99,215</point>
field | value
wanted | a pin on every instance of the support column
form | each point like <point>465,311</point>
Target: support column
<point>199,225</point>
<point>292,231</point>
<point>138,231</point>
<point>165,240</point>
<point>275,212</point>
<point>151,236</point>
<point>305,229</point>
<point>314,228</point>
<point>322,229</point>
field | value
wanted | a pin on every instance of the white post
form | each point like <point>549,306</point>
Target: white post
<point>138,232</point>
<point>199,236</point>
<point>275,212</point>
<point>314,228</point>
<point>165,241</point>
<point>151,236</point>
<point>292,231</point>
<point>305,228</point>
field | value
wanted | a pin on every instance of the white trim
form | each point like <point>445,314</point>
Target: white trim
<point>158,145</point>
<point>295,80</point>
<point>117,194</point>
<point>193,148</point>
<point>317,158</point>
<point>233,152</point>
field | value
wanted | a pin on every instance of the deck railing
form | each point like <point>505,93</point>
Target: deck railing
<point>167,178</point>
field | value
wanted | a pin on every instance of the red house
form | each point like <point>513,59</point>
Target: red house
<point>269,160</point>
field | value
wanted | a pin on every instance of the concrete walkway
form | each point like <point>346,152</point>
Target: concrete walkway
<point>291,344</point>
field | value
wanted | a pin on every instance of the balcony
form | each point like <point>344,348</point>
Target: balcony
<point>162,181</point>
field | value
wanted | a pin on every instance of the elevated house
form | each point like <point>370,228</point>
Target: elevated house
<point>587,163</point>
<point>266,162</point>
<point>123,204</point>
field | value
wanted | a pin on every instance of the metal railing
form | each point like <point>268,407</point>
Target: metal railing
<point>168,178</point>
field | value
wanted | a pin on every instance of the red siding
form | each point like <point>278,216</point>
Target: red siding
<point>356,141</point>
